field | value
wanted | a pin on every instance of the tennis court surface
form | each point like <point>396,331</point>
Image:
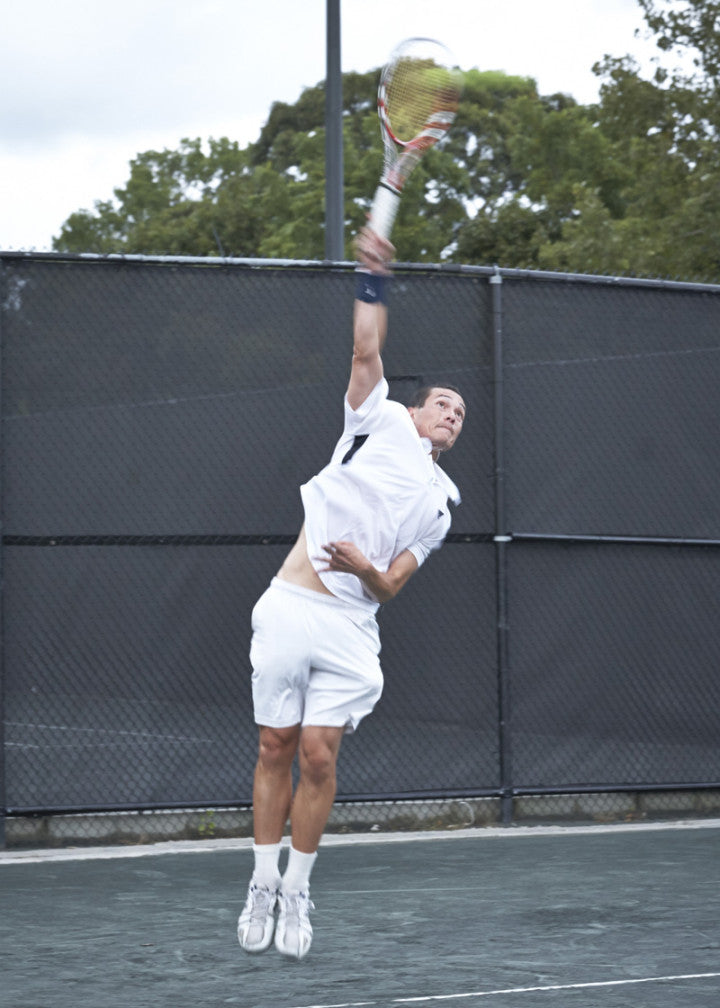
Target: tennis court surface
<point>595,917</point>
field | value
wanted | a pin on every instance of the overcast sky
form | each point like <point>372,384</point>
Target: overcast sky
<point>88,84</point>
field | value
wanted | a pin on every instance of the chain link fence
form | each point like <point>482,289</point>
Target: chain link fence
<point>158,419</point>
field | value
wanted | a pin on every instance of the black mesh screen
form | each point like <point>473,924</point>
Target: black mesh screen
<point>158,419</point>
<point>612,415</point>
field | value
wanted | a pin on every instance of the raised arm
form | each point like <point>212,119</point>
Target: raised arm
<point>369,316</point>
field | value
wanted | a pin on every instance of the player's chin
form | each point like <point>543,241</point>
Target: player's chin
<point>445,443</point>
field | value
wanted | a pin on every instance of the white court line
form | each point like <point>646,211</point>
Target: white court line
<point>105,853</point>
<point>520,990</point>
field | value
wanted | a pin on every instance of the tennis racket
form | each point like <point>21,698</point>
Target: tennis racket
<point>417,102</point>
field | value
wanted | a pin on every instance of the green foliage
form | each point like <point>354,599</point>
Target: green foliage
<point>683,25</point>
<point>630,185</point>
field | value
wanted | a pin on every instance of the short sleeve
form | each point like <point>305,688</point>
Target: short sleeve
<point>422,549</point>
<point>356,418</point>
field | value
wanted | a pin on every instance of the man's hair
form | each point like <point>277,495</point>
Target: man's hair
<point>420,396</point>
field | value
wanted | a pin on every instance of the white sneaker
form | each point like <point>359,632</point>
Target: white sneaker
<point>257,921</point>
<point>293,935</point>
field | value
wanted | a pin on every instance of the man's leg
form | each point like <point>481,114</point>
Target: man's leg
<point>272,796</point>
<point>314,796</point>
<point>315,793</point>
<point>272,787</point>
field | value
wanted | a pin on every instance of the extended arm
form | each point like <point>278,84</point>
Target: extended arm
<point>369,317</point>
<point>369,331</point>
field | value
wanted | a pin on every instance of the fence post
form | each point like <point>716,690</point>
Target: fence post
<point>501,540</point>
<point>334,198</point>
<point>3,786</point>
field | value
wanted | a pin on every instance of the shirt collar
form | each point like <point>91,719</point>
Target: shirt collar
<point>441,476</point>
<point>447,484</point>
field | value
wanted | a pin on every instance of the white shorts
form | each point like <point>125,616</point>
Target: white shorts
<point>315,659</point>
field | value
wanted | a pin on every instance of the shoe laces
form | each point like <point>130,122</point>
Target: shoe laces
<point>297,903</point>
<point>261,900</point>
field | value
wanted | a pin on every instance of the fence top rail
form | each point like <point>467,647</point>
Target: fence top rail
<point>497,273</point>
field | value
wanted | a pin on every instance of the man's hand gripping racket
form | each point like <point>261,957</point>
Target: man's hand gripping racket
<point>417,102</point>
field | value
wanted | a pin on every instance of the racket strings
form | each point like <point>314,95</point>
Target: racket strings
<point>417,91</point>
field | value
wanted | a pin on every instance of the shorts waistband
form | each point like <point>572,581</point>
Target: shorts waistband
<point>314,596</point>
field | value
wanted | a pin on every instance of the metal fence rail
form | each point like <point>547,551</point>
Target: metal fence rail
<point>158,416</point>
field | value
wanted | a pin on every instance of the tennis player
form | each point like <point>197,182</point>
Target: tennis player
<point>372,516</point>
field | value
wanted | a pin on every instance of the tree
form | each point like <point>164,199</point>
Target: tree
<point>683,25</point>
<point>664,132</point>
<point>629,185</point>
<point>262,201</point>
<point>268,199</point>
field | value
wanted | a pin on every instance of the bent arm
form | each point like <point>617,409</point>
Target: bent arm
<point>348,559</point>
<point>386,586</point>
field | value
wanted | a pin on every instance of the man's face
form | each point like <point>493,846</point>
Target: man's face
<point>440,418</point>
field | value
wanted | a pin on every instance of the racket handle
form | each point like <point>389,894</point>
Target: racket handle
<point>384,208</point>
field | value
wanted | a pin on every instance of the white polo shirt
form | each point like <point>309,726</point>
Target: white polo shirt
<point>381,491</point>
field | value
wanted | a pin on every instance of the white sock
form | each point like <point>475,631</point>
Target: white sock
<point>297,873</point>
<point>267,870</point>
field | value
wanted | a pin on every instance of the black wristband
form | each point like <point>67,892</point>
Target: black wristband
<point>370,287</point>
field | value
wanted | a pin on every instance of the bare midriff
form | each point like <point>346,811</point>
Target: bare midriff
<point>298,570</point>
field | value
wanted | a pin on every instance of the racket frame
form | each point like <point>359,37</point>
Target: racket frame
<point>398,164</point>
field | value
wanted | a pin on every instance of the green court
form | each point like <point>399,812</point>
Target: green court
<point>595,917</point>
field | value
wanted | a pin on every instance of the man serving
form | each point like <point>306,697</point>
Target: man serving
<point>372,516</point>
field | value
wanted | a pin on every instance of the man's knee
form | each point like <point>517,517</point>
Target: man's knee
<point>318,753</point>
<point>277,747</point>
